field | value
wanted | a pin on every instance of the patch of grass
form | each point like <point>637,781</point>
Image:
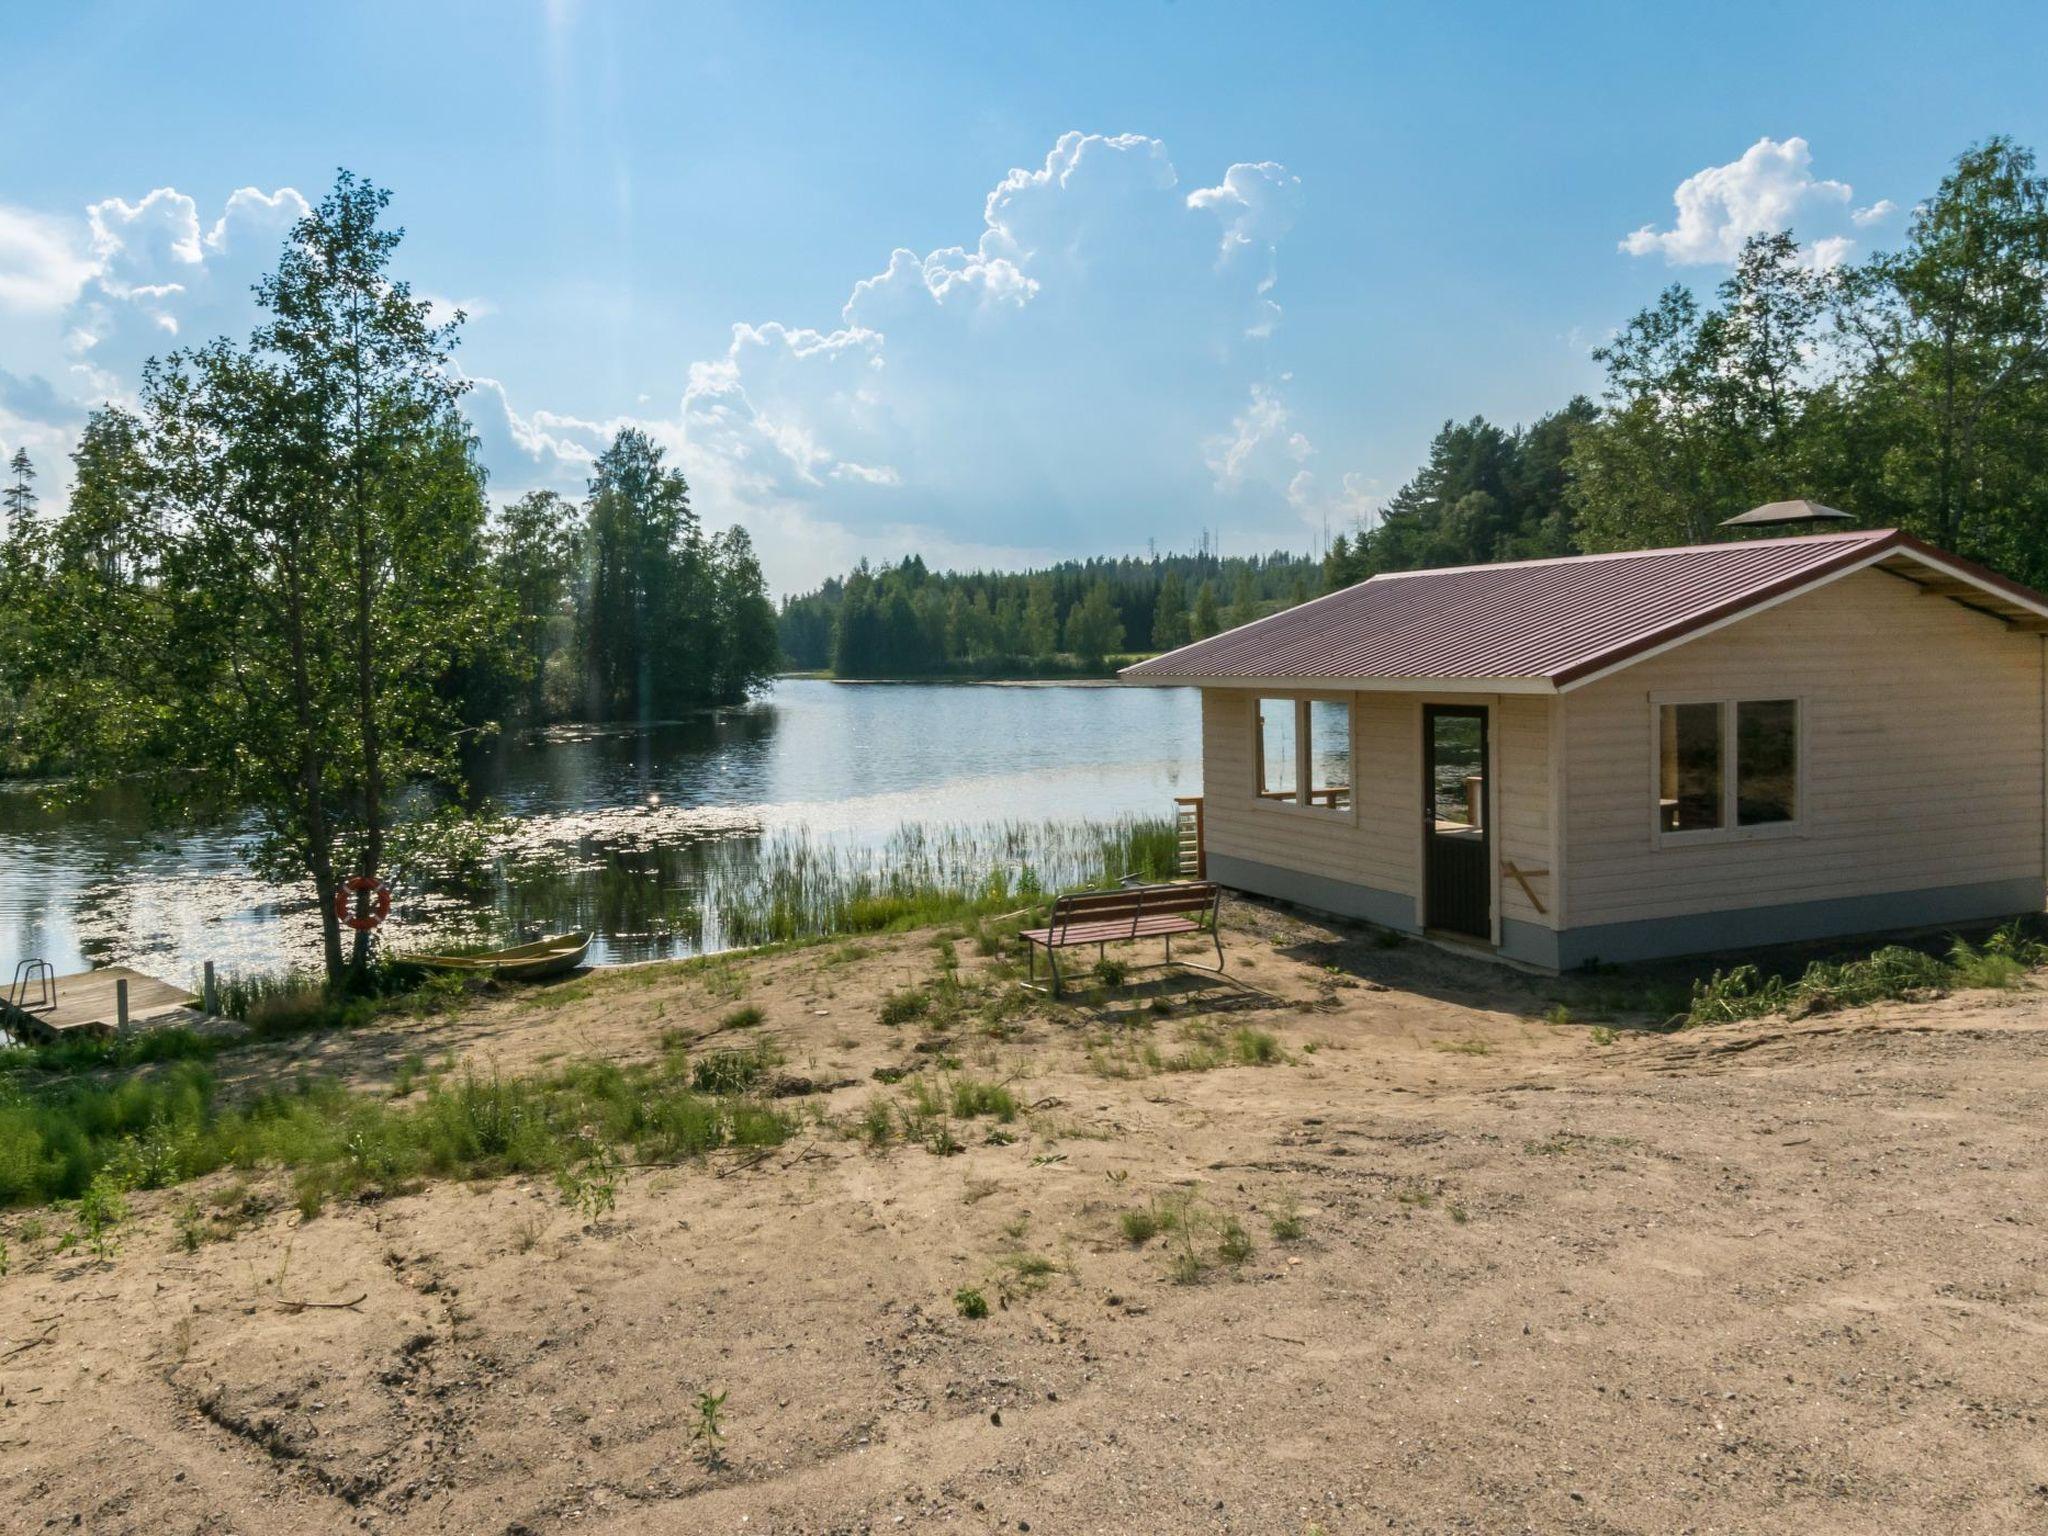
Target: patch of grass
<point>742,1018</point>
<point>1110,971</point>
<point>1465,1047</point>
<point>1602,1034</point>
<point>972,1098</point>
<point>970,1303</point>
<point>876,1124</point>
<point>1140,1225</point>
<point>1024,1274</point>
<point>1894,972</point>
<point>923,1113</point>
<point>164,1127</point>
<point>733,1071</point>
<point>1233,1243</point>
<point>143,1048</point>
<point>1286,1224</point>
<point>1123,1056</point>
<point>902,1007</point>
<point>1254,1047</point>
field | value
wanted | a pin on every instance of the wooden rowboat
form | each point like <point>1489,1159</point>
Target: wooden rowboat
<point>551,956</point>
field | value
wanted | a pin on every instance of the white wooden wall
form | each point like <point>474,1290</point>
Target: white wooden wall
<point>1381,845</point>
<point>1923,747</point>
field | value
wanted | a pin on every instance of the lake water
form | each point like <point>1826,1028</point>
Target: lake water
<point>633,833</point>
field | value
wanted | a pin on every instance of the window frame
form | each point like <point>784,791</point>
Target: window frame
<point>1730,830</point>
<point>1304,756</point>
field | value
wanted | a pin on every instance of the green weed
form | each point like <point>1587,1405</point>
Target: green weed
<point>902,1007</point>
<point>1254,1047</point>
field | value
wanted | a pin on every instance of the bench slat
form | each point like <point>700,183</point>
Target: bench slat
<point>1101,933</point>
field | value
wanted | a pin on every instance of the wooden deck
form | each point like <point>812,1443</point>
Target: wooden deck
<point>86,1005</point>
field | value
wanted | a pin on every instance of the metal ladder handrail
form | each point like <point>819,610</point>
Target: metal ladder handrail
<point>39,971</point>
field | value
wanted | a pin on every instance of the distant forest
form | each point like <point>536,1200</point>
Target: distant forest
<point>1909,390</point>
<point>903,620</point>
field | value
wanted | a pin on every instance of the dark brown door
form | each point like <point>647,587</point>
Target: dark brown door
<point>1457,863</point>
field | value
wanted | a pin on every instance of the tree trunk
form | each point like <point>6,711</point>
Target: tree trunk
<point>366,675</point>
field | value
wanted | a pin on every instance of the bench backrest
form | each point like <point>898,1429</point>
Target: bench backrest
<point>1131,903</point>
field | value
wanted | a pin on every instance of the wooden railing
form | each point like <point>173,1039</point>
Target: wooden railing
<point>1193,860</point>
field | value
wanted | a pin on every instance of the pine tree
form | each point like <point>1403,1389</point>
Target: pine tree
<point>1206,620</point>
<point>19,499</point>
<point>1093,628</point>
<point>1170,614</point>
<point>1041,620</point>
<point>1242,608</point>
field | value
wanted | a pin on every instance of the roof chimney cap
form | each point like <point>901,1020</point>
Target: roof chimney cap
<point>1774,514</point>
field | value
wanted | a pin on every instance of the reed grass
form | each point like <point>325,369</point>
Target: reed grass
<point>794,885</point>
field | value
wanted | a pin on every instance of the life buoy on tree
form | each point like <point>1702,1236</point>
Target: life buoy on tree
<point>380,902</point>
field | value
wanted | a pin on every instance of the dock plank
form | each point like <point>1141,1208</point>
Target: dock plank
<point>86,1004</point>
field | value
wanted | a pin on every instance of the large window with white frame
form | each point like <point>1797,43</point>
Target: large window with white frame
<point>1726,768</point>
<point>1302,753</point>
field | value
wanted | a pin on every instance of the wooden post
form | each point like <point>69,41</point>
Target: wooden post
<point>209,996</point>
<point>121,1004</point>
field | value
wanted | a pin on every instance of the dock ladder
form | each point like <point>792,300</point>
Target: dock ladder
<point>43,977</point>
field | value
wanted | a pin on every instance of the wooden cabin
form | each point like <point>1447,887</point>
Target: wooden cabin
<point>1618,757</point>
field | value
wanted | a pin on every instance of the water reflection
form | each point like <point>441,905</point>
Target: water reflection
<point>635,833</point>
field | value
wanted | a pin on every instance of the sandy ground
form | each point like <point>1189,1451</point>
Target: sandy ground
<point>1778,1276</point>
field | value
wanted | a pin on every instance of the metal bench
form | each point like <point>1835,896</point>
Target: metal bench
<point>1131,912</point>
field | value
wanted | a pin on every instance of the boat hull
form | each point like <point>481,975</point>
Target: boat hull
<point>556,955</point>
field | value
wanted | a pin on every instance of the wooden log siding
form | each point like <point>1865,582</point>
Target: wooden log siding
<point>1923,758</point>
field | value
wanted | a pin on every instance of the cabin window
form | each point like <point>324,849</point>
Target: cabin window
<point>1727,767</point>
<point>1766,762</point>
<point>1329,753</point>
<point>1304,753</point>
<point>1279,749</point>
<point>1689,771</point>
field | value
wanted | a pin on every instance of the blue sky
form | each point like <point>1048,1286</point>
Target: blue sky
<point>1240,263</point>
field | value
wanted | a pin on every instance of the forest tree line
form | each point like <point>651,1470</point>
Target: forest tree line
<point>903,620</point>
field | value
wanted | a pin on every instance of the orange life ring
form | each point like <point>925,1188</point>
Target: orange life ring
<point>380,905</point>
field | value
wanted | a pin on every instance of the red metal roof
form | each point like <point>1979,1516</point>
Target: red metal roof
<point>1533,621</point>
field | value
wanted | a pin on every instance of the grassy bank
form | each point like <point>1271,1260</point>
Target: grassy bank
<point>92,1119</point>
<point>155,1130</point>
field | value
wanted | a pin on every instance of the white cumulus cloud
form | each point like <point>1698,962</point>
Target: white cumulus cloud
<point>1089,362</point>
<point>1090,355</point>
<point>1876,213</point>
<point>43,261</point>
<point>1772,187</point>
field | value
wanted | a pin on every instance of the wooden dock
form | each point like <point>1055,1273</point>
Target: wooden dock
<point>88,1004</point>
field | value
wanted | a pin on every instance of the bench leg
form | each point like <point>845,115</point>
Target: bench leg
<point>1052,959</point>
